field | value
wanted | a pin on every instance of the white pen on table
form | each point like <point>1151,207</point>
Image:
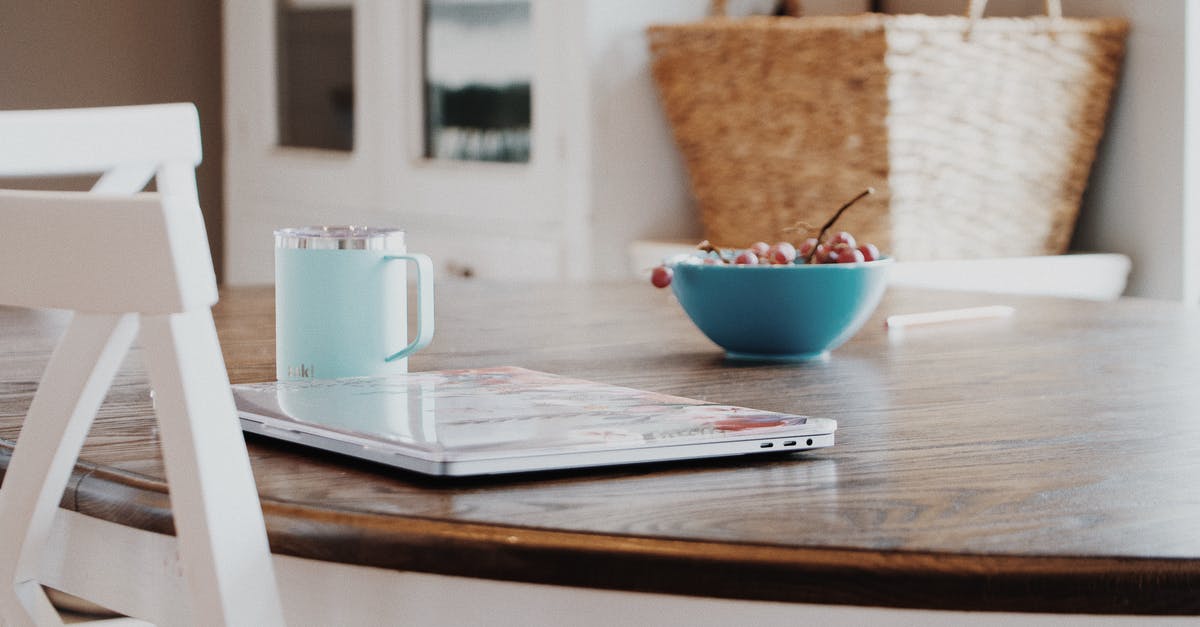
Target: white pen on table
<point>948,315</point>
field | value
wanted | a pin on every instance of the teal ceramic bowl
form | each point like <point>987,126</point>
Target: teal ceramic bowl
<point>784,313</point>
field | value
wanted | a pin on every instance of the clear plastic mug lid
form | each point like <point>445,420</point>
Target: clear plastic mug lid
<point>341,237</point>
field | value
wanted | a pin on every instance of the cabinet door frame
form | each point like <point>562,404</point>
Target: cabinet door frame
<point>386,179</point>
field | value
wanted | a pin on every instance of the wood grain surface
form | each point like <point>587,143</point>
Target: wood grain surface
<point>1044,462</point>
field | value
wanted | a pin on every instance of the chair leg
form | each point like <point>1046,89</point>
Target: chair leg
<point>218,521</point>
<point>74,384</point>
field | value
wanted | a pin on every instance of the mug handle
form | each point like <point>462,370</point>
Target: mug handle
<point>424,303</point>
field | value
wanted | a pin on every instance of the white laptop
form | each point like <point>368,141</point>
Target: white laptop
<point>504,420</point>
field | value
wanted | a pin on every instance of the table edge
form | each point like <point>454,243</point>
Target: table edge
<point>821,575</point>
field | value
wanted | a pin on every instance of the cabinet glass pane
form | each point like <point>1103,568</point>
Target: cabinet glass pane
<point>478,75</point>
<point>315,74</point>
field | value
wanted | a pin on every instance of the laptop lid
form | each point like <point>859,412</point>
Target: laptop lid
<point>502,420</point>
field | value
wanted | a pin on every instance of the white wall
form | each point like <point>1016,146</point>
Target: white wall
<point>638,187</point>
<point>1136,201</point>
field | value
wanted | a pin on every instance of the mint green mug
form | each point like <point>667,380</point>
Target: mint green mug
<point>341,302</point>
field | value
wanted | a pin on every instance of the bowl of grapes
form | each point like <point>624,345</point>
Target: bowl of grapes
<point>779,302</point>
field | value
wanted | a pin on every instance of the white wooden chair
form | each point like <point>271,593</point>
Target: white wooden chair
<point>121,259</point>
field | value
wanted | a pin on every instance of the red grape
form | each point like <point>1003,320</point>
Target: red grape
<point>782,253</point>
<point>849,255</point>
<point>747,258</point>
<point>807,247</point>
<point>760,248</point>
<point>661,276</point>
<point>842,237</point>
<point>828,253</point>
<point>869,252</point>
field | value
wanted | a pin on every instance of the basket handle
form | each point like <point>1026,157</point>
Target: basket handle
<point>790,7</point>
<point>975,9</point>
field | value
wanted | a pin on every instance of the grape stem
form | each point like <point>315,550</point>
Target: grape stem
<point>837,214</point>
<point>707,247</point>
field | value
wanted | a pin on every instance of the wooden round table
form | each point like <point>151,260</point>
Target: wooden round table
<point>1046,462</point>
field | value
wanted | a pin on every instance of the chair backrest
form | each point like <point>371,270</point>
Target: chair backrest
<point>84,251</point>
<point>129,145</point>
<point>117,242</point>
<point>122,259</point>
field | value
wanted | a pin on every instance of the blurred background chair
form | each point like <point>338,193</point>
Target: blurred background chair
<point>120,259</point>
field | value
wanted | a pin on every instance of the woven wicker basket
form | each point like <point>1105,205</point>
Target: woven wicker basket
<point>978,133</point>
